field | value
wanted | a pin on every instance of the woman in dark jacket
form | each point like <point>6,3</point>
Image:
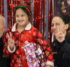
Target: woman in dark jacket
<point>61,45</point>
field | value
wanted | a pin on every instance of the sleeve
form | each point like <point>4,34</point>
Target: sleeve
<point>66,46</point>
<point>45,47</point>
<point>12,50</point>
<point>6,49</point>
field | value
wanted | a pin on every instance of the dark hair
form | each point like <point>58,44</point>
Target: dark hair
<point>65,18</point>
<point>26,11</point>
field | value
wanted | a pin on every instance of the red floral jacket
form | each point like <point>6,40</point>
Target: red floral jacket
<point>30,34</point>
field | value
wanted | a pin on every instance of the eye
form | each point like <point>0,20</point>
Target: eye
<point>57,24</point>
<point>17,16</point>
<point>52,25</point>
<point>22,15</point>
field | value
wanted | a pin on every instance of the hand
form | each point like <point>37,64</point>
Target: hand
<point>60,36</point>
<point>11,42</point>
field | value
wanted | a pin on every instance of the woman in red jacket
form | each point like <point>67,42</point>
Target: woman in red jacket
<point>22,31</point>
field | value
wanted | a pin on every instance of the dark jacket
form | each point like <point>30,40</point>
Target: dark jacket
<point>4,60</point>
<point>61,52</point>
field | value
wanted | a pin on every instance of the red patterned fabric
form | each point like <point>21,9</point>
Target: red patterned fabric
<point>24,3</point>
<point>18,58</point>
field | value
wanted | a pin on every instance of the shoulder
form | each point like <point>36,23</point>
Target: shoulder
<point>33,28</point>
<point>67,37</point>
<point>36,32</point>
<point>53,44</point>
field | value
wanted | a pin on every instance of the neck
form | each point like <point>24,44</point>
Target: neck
<point>21,26</point>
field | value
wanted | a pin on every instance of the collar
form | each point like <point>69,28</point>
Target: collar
<point>28,27</point>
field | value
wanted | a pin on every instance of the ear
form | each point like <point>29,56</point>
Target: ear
<point>66,26</point>
<point>4,28</point>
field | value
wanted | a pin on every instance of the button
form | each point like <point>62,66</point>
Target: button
<point>19,35</point>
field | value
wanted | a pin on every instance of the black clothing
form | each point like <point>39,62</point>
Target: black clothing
<point>4,60</point>
<point>61,52</point>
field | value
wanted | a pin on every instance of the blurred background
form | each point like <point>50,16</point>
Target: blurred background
<point>42,13</point>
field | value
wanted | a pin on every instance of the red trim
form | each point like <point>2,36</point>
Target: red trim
<point>12,5</point>
<point>28,10</point>
<point>24,3</point>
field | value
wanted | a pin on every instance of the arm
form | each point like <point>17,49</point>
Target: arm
<point>46,48</point>
<point>6,49</point>
<point>65,46</point>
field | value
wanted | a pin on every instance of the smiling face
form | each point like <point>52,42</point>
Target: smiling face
<point>21,17</point>
<point>58,25</point>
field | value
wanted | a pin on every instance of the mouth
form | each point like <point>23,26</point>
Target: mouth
<point>55,31</point>
<point>20,21</point>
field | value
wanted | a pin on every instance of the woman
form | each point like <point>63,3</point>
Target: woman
<point>61,45</point>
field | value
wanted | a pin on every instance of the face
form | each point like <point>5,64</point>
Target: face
<point>58,25</point>
<point>2,26</point>
<point>68,1</point>
<point>21,17</point>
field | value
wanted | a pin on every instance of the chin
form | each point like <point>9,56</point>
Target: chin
<point>1,34</point>
<point>21,24</point>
